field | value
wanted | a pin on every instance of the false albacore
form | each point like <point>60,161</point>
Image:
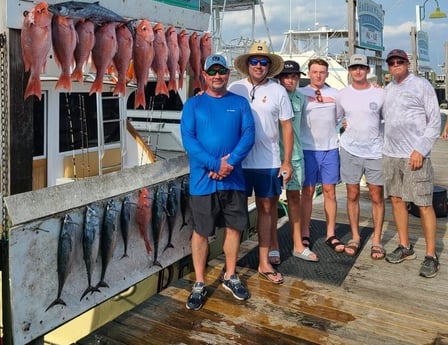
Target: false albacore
<point>86,10</point>
<point>66,250</point>
<point>90,244</point>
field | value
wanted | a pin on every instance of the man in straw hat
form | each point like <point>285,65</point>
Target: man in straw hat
<point>263,168</point>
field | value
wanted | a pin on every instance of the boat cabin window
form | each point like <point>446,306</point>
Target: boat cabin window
<point>160,102</point>
<point>39,126</point>
<point>78,121</point>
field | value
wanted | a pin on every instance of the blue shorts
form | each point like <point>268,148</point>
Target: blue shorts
<point>321,167</point>
<point>264,182</point>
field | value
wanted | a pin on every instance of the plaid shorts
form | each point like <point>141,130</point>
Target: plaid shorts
<point>410,185</point>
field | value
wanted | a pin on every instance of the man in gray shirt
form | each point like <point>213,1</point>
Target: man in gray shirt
<point>412,125</point>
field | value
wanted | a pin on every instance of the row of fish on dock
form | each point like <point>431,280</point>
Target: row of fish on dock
<point>155,216</point>
<point>127,48</point>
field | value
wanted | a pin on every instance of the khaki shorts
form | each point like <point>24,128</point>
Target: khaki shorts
<point>410,185</point>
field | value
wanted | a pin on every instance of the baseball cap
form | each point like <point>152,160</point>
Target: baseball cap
<point>291,66</point>
<point>397,53</point>
<point>358,60</point>
<point>215,59</point>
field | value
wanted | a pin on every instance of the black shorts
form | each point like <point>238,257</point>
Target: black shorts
<point>225,208</point>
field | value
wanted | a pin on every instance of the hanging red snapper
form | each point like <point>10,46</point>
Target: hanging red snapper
<point>195,59</point>
<point>123,57</point>
<point>142,57</point>
<point>64,38</point>
<point>103,52</point>
<point>184,55</point>
<point>173,57</point>
<point>86,40</point>
<point>159,64</point>
<point>206,47</point>
<point>35,39</point>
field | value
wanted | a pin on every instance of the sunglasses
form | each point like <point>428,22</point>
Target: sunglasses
<point>396,62</point>
<point>213,72</point>
<point>262,62</point>
<point>318,96</point>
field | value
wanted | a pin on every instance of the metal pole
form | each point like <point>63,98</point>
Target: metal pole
<point>351,8</point>
<point>446,70</point>
<point>414,51</point>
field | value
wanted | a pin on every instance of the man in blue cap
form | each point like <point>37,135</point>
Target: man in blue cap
<point>218,131</point>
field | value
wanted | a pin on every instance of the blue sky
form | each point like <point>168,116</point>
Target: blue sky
<point>400,15</point>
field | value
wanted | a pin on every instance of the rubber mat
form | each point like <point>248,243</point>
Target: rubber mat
<point>332,268</point>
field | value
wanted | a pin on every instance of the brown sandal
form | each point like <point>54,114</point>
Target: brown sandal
<point>333,242</point>
<point>353,246</point>
<point>377,252</point>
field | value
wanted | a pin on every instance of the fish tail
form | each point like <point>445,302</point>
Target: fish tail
<point>102,283</point>
<point>125,255</point>
<point>90,289</point>
<point>140,99</point>
<point>120,88</point>
<point>161,87</point>
<point>97,86</point>
<point>172,84</point>
<point>64,82</point>
<point>169,245</point>
<point>196,83</point>
<point>55,302</point>
<point>180,83</point>
<point>33,88</point>
<point>147,246</point>
<point>78,75</point>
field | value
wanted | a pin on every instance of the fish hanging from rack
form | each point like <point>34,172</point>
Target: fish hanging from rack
<point>86,40</point>
<point>65,255</point>
<point>206,47</point>
<point>109,234</point>
<point>90,244</point>
<point>160,61</point>
<point>173,57</point>
<point>35,40</point>
<point>64,39</point>
<point>86,10</point>
<point>143,216</point>
<point>184,55</point>
<point>142,57</point>
<point>123,57</point>
<point>195,60</point>
<point>103,53</point>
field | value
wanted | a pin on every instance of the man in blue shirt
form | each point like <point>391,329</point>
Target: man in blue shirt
<point>218,132</point>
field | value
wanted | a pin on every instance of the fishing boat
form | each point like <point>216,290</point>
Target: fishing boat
<point>74,160</point>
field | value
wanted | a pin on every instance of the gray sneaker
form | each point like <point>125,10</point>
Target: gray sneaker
<point>236,287</point>
<point>400,254</point>
<point>430,266</point>
<point>196,298</point>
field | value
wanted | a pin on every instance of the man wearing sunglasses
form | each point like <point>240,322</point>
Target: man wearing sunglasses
<point>218,131</point>
<point>412,125</point>
<point>264,171</point>
<point>320,150</point>
<point>360,105</point>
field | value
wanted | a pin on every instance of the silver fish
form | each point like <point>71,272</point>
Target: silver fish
<point>90,244</point>
<point>109,234</point>
<point>66,250</point>
<point>125,222</point>
<point>86,10</point>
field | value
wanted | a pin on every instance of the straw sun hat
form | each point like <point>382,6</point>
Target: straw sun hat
<point>259,49</point>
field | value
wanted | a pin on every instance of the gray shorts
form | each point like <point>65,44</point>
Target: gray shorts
<point>353,167</point>
<point>224,208</point>
<point>298,175</point>
<point>410,185</point>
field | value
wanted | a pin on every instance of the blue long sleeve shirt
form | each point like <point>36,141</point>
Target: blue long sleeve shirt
<point>212,128</point>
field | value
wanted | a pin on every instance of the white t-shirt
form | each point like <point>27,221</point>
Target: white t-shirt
<point>318,128</point>
<point>363,136</point>
<point>269,103</point>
